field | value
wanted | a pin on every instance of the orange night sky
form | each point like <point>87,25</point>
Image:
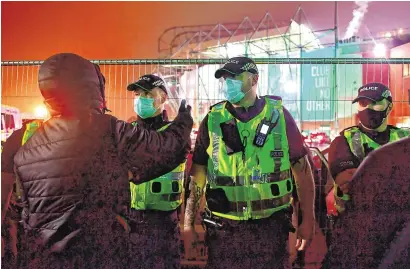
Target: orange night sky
<point>124,30</point>
<point>101,30</point>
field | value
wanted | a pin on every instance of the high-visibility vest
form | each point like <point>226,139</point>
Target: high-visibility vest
<point>257,182</point>
<point>31,128</point>
<point>356,140</point>
<point>162,193</point>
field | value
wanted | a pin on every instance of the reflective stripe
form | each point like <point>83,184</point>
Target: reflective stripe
<point>278,146</point>
<point>171,197</point>
<point>277,135</point>
<point>402,133</point>
<point>173,176</point>
<point>240,180</point>
<point>357,146</point>
<point>278,176</point>
<point>229,181</point>
<point>260,205</point>
<point>271,203</point>
<point>215,118</point>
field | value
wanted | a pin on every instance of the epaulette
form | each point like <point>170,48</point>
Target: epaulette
<point>217,104</point>
<point>348,128</point>
<point>399,128</point>
<point>274,97</point>
<point>274,100</point>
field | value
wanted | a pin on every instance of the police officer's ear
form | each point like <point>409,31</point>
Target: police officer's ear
<point>389,107</point>
<point>163,96</point>
<point>255,79</point>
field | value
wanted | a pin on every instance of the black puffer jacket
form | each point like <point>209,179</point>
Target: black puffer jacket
<point>373,227</point>
<point>74,170</point>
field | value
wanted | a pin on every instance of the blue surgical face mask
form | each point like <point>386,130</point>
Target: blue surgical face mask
<point>233,90</point>
<point>144,107</point>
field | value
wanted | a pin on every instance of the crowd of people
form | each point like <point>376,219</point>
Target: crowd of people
<point>84,189</point>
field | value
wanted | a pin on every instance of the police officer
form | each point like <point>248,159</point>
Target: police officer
<point>248,147</point>
<point>154,204</point>
<point>348,150</point>
<point>11,194</point>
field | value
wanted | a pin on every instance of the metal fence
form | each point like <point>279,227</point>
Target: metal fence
<point>316,91</point>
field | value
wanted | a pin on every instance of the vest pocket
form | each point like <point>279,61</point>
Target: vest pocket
<point>275,189</point>
<point>217,201</point>
<point>175,186</point>
<point>156,187</point>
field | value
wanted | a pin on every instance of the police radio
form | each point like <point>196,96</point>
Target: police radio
<point>264,128</point>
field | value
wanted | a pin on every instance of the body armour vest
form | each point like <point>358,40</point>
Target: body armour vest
<point>162,193</point>
<point>255,182</point>
<point>356,140</point>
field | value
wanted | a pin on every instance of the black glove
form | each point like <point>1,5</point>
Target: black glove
<point>184,121</point>
<point>184,108</point>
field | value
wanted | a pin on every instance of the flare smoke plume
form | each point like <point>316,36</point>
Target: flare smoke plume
<point>358,15</point>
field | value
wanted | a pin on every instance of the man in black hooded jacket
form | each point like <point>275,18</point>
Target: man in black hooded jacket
<point>73,167</point>
<point>373,232</point>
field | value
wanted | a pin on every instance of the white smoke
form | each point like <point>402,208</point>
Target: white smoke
<point>358,15</point>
